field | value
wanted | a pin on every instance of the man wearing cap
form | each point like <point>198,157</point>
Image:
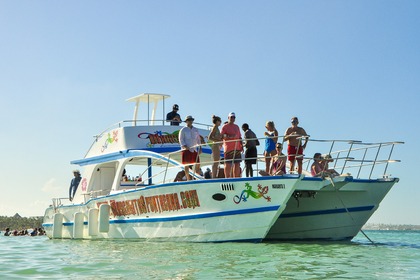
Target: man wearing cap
<point>74,184</point>
<point>232,146</point>
<point>189,138</point>
<point>173,116</point>
<point>295,136</point>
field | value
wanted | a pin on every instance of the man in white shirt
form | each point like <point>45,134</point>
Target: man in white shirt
<point>189,138</point>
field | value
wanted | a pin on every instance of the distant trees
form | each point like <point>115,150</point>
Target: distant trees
<point>18,222</point>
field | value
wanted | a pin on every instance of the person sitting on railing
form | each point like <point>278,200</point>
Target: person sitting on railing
<point>278,163</point>
<point>173,116</point>
<point>324,164</point>
<point>316,167</point>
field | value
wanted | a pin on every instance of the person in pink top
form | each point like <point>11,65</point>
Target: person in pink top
<point>232,146</point>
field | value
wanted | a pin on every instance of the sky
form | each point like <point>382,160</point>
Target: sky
<point>347,69</point>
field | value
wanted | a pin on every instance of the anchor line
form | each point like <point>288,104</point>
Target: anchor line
<point>348,212</point>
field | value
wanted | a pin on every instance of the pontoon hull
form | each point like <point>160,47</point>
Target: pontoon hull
<point>202,211</point>
<point>331,214</point>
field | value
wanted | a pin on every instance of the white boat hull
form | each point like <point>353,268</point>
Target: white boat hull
<point>195,211</point>
<point>333,213</point>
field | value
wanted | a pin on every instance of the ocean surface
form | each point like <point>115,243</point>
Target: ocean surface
<point>394,255</point>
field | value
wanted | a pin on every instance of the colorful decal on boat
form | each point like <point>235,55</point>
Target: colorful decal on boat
<point>245,194</point>
<point>110,139</point>
<point>154,204</point>
<point>159,137</point>
<point>84,184</point>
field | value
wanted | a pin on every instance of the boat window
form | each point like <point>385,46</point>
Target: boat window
<point>147,171</point>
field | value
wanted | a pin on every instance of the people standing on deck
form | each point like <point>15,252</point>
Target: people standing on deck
<point>173,116</point>
<point>74,184</point>
<point>297,140</point>
<point>270,143</point>
<point>232,146</point>
<point>251,142</point>
<point>189,139</point>
<point>215,139</point>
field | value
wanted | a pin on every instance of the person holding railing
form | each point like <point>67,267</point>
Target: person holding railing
<point>297,140</point>
<point>232,146</point>
<point>74,184</point>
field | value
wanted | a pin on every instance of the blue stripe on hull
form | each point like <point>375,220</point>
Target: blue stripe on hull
<point>187,217</point>
<point>329,211</point>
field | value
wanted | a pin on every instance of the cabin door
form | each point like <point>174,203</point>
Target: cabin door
<point>106,176</point>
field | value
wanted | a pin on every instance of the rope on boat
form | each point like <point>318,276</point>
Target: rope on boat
<point>348,212</point>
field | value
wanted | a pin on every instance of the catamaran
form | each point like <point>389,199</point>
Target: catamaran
<point>131,189</point>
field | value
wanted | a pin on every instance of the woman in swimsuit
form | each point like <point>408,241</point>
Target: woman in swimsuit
<point>270,143</point>
<point>215,137</point>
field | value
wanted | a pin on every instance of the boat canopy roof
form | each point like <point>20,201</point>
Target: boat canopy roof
<point>150,99</point>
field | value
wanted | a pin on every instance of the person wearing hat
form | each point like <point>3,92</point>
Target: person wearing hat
<point>173,116</point>
<point>295,135</point>
<point>74,184</point>
<point>189,139</point>
<point>232,146</point>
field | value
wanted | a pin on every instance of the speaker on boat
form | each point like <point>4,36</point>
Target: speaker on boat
<point>78,225</point>
<point>104,217</point>
<point>57,225</point>
<point>93,221</point>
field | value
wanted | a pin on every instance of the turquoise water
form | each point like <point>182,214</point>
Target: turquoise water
<point>396,255</point>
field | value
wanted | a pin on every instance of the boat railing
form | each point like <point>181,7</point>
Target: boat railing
<point>57,202</point>
<point>94,194</point>
<point>347,155</point>
<point>358,155</point>
<point>131,123</point>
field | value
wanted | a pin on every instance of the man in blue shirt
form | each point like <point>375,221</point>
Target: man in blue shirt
<point>74,184</point>
<point>173,116</point>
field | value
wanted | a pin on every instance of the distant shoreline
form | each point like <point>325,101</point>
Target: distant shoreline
<point>390,227</point>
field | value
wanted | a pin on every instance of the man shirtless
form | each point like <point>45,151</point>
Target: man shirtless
<point>295,136</point>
